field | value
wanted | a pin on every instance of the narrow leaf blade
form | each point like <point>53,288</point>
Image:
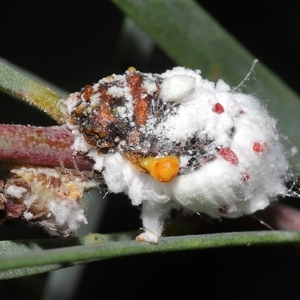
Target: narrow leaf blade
<point>33,92</point>
<point>29,263</point>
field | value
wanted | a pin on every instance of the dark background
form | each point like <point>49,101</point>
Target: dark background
<point>72,43</point>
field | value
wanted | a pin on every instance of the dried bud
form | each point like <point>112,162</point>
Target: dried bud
<point>49,197</point>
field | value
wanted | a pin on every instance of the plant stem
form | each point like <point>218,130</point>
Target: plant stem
<point>49,146</point>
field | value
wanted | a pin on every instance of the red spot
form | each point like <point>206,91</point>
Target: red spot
<point>245,177</point>
<point>229,155</point>
<point>223,210</point>
<point>218,108</point>
<point>259,147</point>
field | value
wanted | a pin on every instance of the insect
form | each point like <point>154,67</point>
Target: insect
<point>176,140</point>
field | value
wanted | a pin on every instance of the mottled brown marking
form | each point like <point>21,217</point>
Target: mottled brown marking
<point>104,116</point>
<point>106,127</point>
<point>41,177</point>
<point>134,159</point>
<point>104,94</point>
<point>3,200</point>
<point>78,111</point>
<point>141,99</point>
<point>88,92</point>
<point>37,214</point>
<point>133,137</point>
<point>55,182</point>
<point>14,210</point>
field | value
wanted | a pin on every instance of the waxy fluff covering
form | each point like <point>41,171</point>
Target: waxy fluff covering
<point>176,140</point>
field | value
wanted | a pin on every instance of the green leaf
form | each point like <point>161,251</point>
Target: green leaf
<point>33,92</point>
<point>15,252</point>
<point>192,38</point>
<point>28,258</point>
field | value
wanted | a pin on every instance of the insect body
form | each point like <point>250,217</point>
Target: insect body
<point>177,140</point>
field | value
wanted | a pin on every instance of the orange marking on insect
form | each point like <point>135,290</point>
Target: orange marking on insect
<point>88,92</point>
<point>163,169</point>
<point>141,102</point>
<point>259,147</point>
<point>104,95</point>
<point>229,155</point>
<point>218,108</point>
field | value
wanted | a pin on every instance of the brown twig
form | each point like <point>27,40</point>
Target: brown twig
<point>46,146</point>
